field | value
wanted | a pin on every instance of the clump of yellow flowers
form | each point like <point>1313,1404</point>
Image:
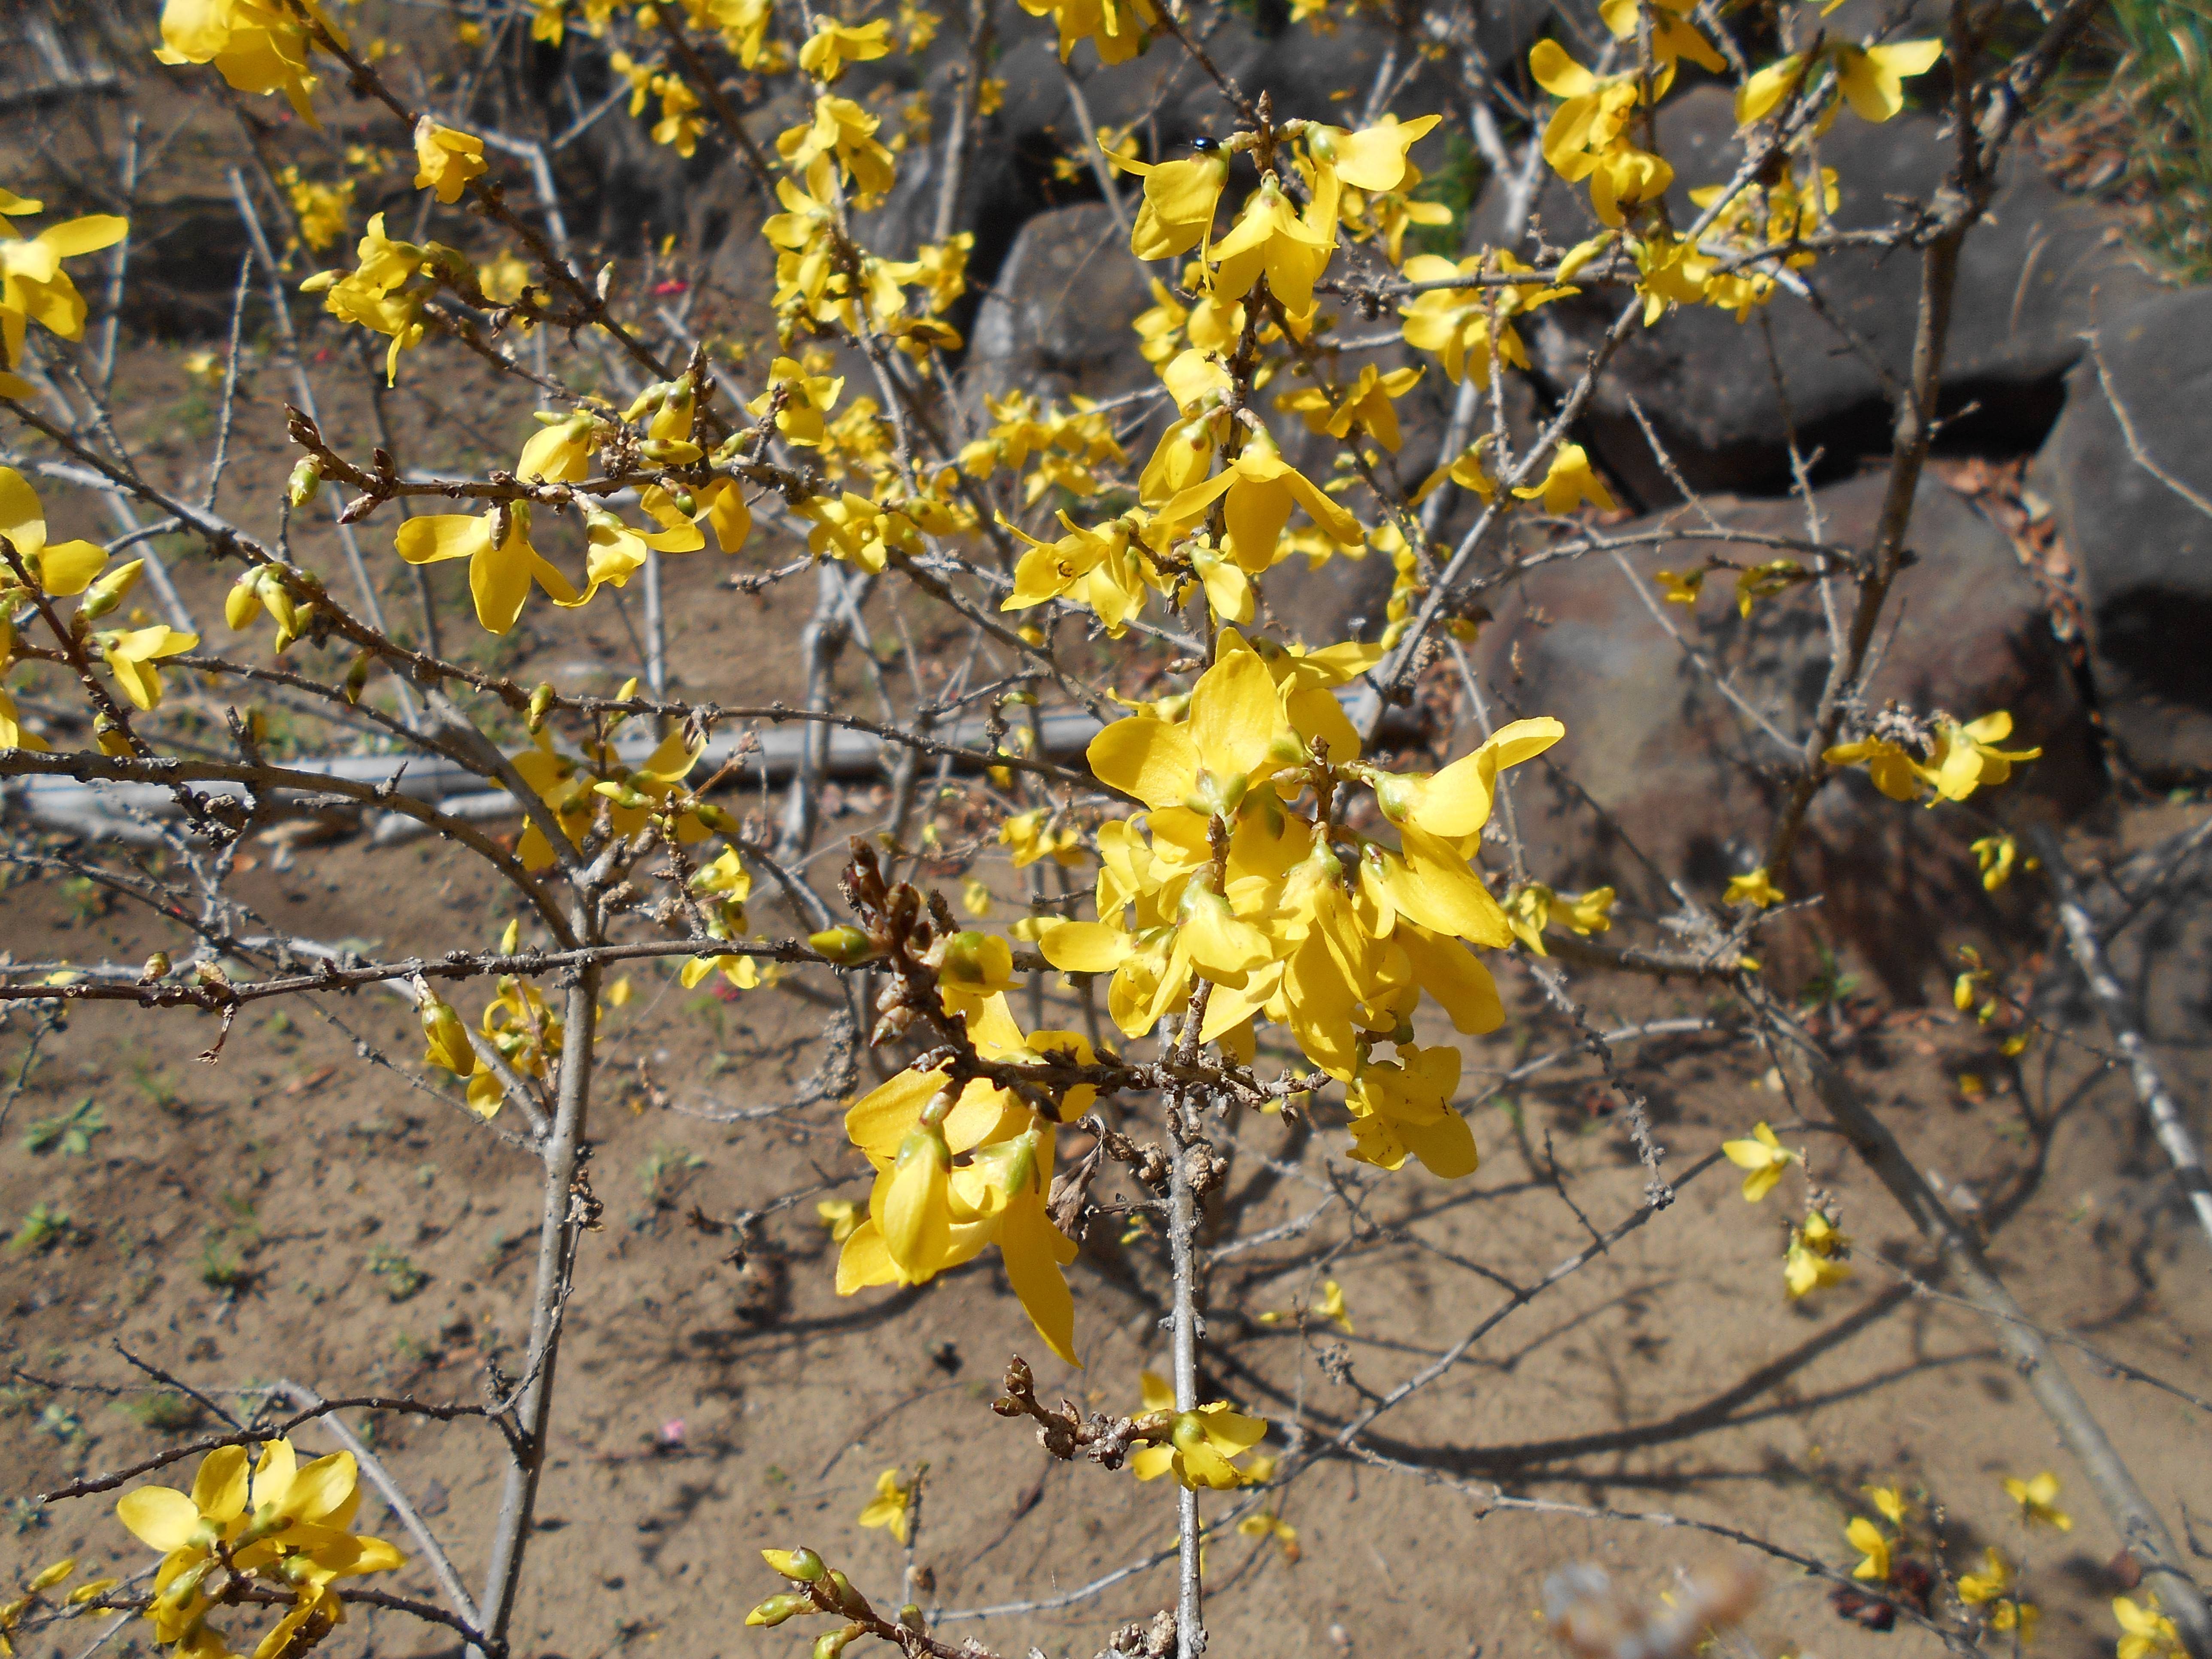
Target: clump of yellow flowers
<point>270,1518</point>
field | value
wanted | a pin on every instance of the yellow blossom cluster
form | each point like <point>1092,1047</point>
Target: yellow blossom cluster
<point>43,570</point>
<point>273,1518</point>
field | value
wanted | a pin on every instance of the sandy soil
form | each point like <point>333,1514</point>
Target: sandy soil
<point>291,1210</point>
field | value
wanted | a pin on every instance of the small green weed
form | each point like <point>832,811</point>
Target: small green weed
<point>402,1278</point>
<point>70,1132</point>
<point>46,1225</point>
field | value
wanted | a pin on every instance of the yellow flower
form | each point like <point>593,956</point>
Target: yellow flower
<point>842,133</point>
<point>925,1215</point>
<point>834,44</point>
<point>1753,889</point>
<point>131,654</point>
<point>1874,1549</point>
<point>1470,469</point>
<point>1673,35</point>
<point>1399,1108</point>
<point>1201,1442</point>
<point>445,160</point>
<point>1455,803</point>
<point>1974,1589</point>
<point>257,45</point>
<point>1758,95</point>
<point>297,1533</point>
<point>499,576</point>
<point>2146,1634</point>
<point>1261,488</point>
<point>320,208</point>
<point>1265,1523</point>
<point>1680,588</point>
<point>560,452</point>
<point>1592,913</point>
<point>1894,772</point>
<point>1764,1156</point>
<point>1455,323</point>
<point>2025,1614</point>
<point>1622,177</point>
<point>1332,1306</point>
<point>1592,112</point>
<point>1995,1584</point>
<point>1372,159</point>
<point>1891,1502</point>
<point>1568,483</point>
<point>1529,912</point>
<point>1026,834</point>
<point>1272,238</point>
<point>1995,855</point>
<point>60,568</point>
<point>34,287</point>
<point>1236,738</point>
<point>1763,581</point>
<point>807,397</point>
<point>1365,405</point>
<point>1872,77</point>
<point>888,1507</point>
<point>1814,1259</point>
<point>1966,756</point>
<point>2038,1501</point>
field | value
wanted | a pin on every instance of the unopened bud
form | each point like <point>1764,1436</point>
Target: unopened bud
<point>104,595</point>
<point>802,1563</point>
<point>846,945</point>
<point>831,1643</point>
<point>157,967</point>
<point>721,822</point>
<point>622,795</point>
<point>540,701</point>
<point>777,1608</point>
<point>53,1575</point>
<point>449,1038</point>
<point>356,679</point>
<point>306,480</point>
<point>243,603</point>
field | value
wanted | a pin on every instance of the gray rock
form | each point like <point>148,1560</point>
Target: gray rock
<point>2026,280</point>
<point>1057,319</point>
<point>1692,783</point>
<point>2142,552</point>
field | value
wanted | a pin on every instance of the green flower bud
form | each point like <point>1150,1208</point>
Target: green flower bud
<point>777,1608</point>
<point>306,480</point>
<point>846,945</point>
<point>104,595</point>
<point>802,1563</point>
<point>540,701</point>
<point>356,679</point>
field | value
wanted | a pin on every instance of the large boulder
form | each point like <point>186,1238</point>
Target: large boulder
<point>1057,319</point>
<point>2030,279</point>
<point>1692,783</point>
<point>2142,550</point>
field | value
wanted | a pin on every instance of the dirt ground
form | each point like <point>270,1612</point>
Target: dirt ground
<point>295,1211</point>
